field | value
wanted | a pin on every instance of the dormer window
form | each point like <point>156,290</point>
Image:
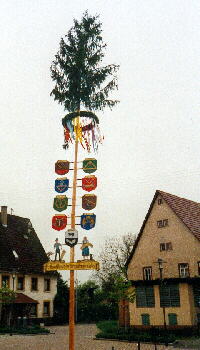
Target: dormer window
<point>15,254</point>
<point>162,223</point>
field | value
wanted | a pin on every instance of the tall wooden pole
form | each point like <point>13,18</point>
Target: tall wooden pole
<point>71,290</point>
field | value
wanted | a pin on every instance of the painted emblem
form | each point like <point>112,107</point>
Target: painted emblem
<point>60,203</point>
<point>61,185</point>
<point>71,237</point>
<point>89,201</point>
<point>89,183</point>
<point>88,221</point>
<point>89,165</point>
<point>59,222</point>
<point>62,167</point>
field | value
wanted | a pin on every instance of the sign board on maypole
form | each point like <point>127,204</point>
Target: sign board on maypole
<point>80,265</point>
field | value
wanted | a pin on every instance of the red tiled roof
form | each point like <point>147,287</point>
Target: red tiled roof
<point>24,299</point>
<point>187,211</point>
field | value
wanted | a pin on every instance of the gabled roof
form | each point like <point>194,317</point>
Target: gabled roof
<point>20,248</point>
<point>187,211</point>
<point>24,299</point>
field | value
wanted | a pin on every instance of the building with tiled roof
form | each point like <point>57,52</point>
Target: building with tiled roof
<point>164,265</point>
<point>22,257</point>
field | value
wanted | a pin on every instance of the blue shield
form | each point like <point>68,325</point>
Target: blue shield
<point>88,221</point>
<point>61,185</point>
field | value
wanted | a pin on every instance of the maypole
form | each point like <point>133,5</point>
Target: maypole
<point>80,82</point>
<point>71,289</point>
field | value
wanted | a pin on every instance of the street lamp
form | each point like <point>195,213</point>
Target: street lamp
<point>160,266</point>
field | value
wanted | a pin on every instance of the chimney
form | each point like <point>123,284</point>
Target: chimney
<point>4,218</point>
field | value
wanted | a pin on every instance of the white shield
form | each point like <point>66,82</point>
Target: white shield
<point>71,237</point>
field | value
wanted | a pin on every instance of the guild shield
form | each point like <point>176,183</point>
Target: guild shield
<point>89,201</point>
<point>60,203</point>
<point>88,221</point>
<point>71,237</point>
<point>62,167</point>
<point>59,222</point>
<point>89,165</point>
<point>61,185</point>
<point>89,183</point>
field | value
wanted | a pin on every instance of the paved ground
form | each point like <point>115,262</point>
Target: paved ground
<point>59,341</point>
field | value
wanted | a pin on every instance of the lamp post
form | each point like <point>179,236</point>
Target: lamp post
<point>13,278</point>
<point>160,266</point>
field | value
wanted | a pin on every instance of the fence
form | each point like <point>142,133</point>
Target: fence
<point>145,346</point>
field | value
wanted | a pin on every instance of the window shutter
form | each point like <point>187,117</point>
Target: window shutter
<point>140,297</point>
<point>145,319</point>
<point>196,292</point>
<point>172,319</point>
<point>169,295</point>
<point>174,295</point>
<point>145,296</point>
<point>150,296</point>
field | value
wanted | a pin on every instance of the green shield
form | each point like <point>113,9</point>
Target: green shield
<point>89,165</point>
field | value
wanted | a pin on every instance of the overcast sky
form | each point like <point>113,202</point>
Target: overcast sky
<point>151,138</point>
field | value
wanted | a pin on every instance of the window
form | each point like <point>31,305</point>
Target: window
<point>147,273</point>
<point>196,292</point>
<point>183,270</point>
<point>5,281</point>
<point>20,283</point>
<point>162,223</point>
<point>34,283</point>
<point>47,284</point>
<point>165,246</point>
<point>172,319</point>
<point>145,296</point>
<point>198,267</point>
<point>169,295</point>
<point>46,308</point>
<point>198,319</point>
<point>160,201</point>
<point>145,319</point>
<point>33,311</point>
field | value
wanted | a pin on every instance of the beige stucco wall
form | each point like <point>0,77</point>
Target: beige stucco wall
<point>186,248</point>
<point>184,315</point>
<point>40,295</point>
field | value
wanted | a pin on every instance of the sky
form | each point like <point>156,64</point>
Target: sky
<point>151,139</point>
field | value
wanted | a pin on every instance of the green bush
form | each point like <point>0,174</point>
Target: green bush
<point>110,330</point>
<point>24,330</point>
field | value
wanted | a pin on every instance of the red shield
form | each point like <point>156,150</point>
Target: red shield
<point>62,167</point>
<point>59,222</point>
<point>89,183</point>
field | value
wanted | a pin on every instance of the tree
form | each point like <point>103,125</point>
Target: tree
<point>113,272</point>
<point>61,301</point>
<point>91,305</point>
<point>7,297</point>
<point>80,80</point>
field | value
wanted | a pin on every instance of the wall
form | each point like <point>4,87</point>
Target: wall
<point>184,314</point>
<point>186,247</point>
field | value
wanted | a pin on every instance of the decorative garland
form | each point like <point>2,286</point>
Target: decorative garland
<point>82,126</point>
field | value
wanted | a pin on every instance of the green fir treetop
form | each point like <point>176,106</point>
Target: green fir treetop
<point>80,80</point>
